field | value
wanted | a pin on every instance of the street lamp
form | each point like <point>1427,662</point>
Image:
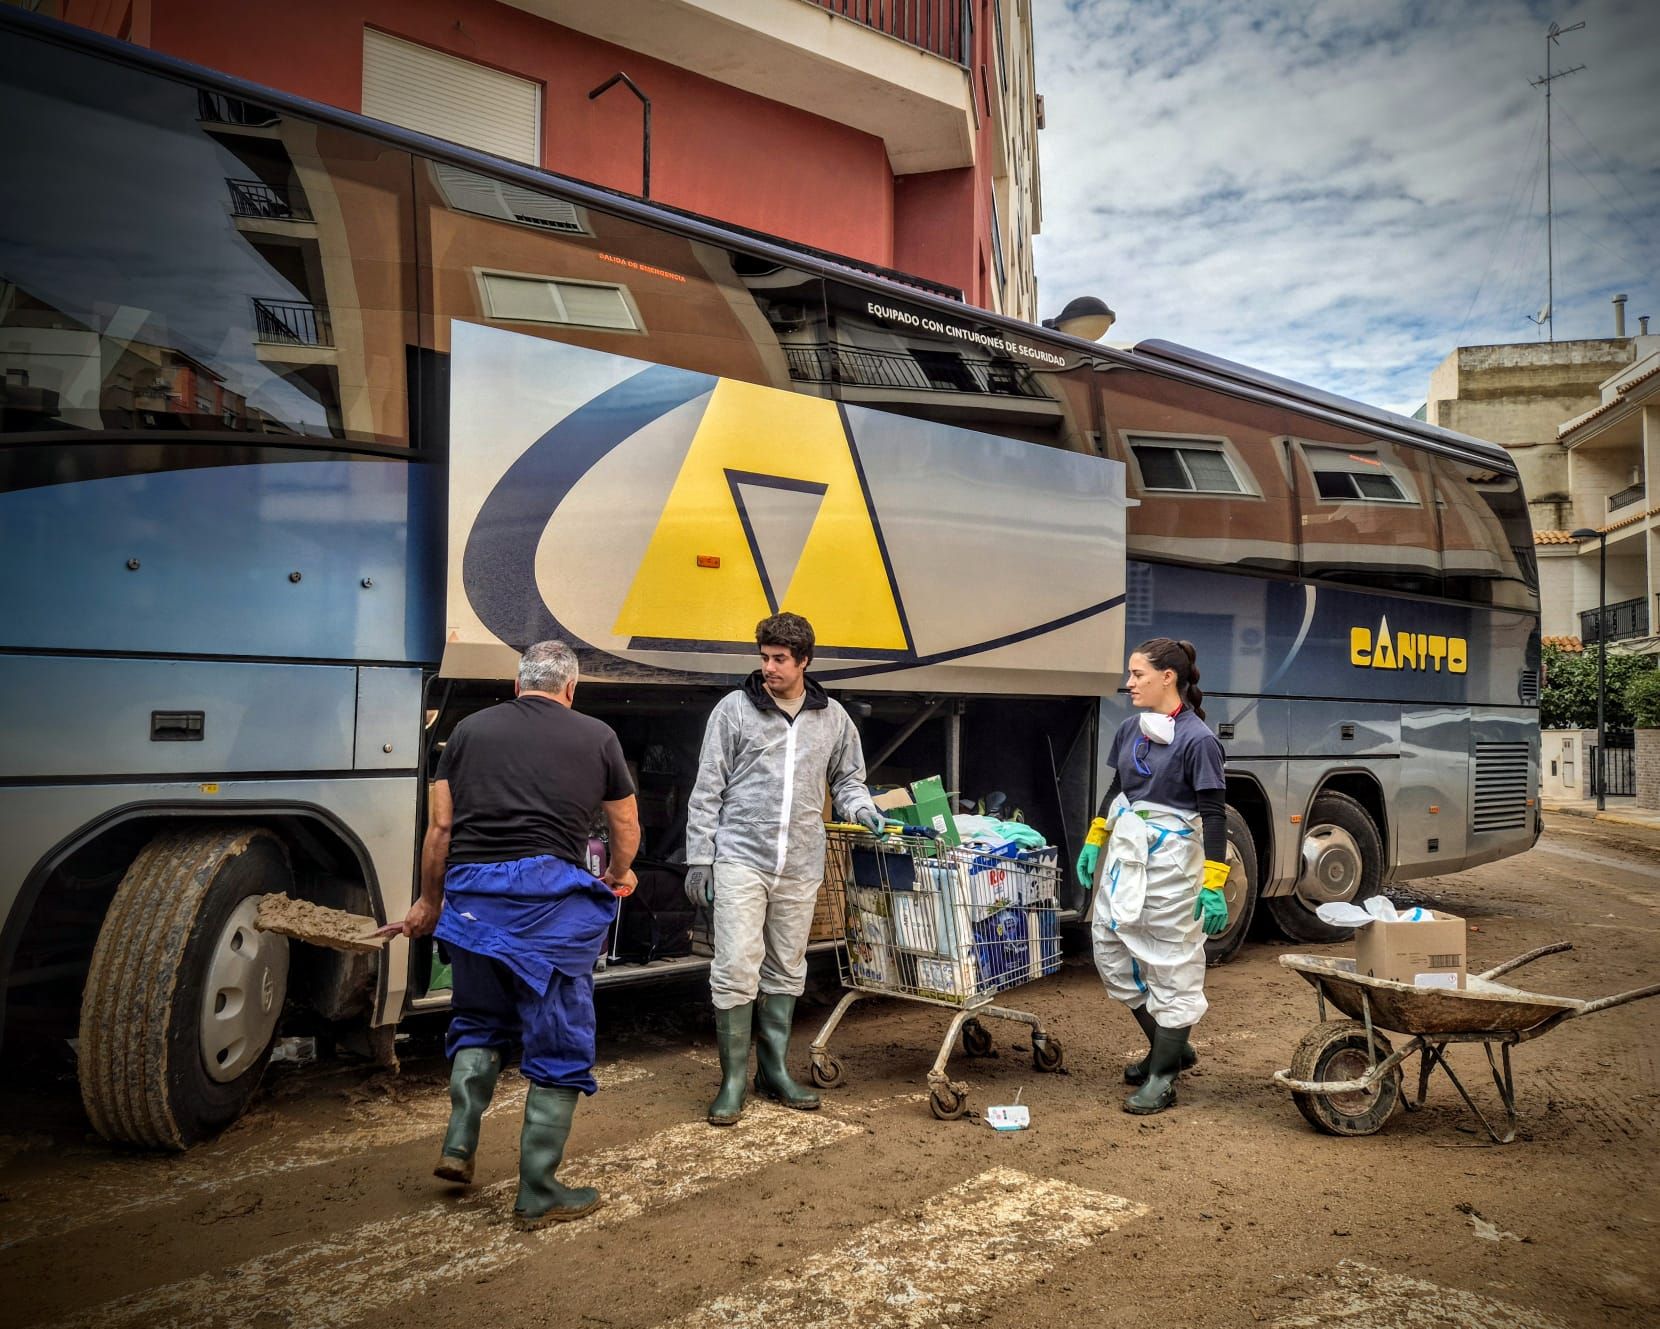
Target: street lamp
<point>1586,533</point>
<point>1087,317</point>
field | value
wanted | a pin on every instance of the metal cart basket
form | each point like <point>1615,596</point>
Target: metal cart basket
<point>950,926</point>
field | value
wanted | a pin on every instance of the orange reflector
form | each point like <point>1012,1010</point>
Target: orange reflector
<point>1434,808</point>
<point>708,560</point>
<point>1296,818</point>
<point>1530,802</point>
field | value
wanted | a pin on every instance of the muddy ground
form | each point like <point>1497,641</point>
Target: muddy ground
<point>319,1208</point>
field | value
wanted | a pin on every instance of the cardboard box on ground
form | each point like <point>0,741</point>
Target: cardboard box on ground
<point>1428,953</point>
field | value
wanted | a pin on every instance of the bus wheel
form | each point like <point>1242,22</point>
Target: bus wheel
<point>1342,859</point>
<point>183,997</point>
<point>1240,892</point>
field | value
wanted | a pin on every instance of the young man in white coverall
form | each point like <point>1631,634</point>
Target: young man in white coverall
<point>755,852</point>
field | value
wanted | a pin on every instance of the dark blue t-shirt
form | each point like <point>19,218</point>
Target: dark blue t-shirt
<point>1167,773</point>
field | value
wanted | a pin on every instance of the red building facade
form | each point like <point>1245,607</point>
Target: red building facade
<point>902,136</point>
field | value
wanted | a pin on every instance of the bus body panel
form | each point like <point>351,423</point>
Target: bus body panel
<point>377,816</point>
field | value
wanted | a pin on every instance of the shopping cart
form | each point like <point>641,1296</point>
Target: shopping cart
<point>947,925</point>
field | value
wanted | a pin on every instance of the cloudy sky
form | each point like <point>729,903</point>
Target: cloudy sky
<point>1342,192</point>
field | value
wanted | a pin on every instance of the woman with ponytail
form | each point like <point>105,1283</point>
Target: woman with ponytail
<point>1158,886</point>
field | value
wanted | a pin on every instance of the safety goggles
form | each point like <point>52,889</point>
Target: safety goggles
<point>1139,752</point>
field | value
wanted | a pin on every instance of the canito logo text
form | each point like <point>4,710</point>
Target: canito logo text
<point>1407,650</point>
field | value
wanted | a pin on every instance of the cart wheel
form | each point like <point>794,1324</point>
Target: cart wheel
<point>827,1074</point>
<point>1336,1051</point>
<point>977,1040</point>
<point>1046,1054</point>
<point>947,1104</point>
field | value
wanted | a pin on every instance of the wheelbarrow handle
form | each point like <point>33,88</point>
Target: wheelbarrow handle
<point>1619,999</point>
<point>1529,958</point>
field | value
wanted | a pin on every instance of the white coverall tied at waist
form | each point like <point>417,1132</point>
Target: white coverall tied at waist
<point>1148,945</point>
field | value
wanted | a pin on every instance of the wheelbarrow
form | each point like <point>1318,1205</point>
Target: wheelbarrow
<point>1346,1078</point>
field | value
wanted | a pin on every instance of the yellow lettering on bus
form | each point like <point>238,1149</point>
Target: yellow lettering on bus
<point>1458,655</point>
<point>1383,654</point>
<point>1360,646</point>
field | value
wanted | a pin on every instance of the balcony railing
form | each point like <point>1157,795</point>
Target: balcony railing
<point>292,323</point>
<point>945,371</point>
<point>216,108</point>
<point>1626,497</point>
<point>941,27</point>
<point>1628,618</point>
<point>255,198</point>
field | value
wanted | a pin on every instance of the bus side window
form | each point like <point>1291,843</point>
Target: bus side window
<point>1486,536</point>
<point>1367,513</point>
<point>1211,483</point>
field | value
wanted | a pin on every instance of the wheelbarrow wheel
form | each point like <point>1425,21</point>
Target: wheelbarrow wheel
<point>1336,1051</point>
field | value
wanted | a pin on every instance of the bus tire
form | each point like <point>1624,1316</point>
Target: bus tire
<point>1342,859</point>
<point>184,994</point>
<point>1240,892</point>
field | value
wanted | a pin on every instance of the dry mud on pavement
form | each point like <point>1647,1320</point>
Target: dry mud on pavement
<point>319,1209</point>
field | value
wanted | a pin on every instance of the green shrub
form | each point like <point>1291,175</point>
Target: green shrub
<point>1569,697</point>
<point>1642,695</point>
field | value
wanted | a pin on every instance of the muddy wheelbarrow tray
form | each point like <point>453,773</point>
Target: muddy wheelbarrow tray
<point>1345,1077</point>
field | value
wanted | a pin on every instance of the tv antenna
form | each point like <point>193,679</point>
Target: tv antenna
<point>1552,37</point>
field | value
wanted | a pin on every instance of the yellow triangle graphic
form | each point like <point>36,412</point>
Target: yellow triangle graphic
<point>840,584</point>
<point>1383,654</point>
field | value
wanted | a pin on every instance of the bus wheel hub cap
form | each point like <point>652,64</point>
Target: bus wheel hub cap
<point>242,998</point>
<point>1331,866</point>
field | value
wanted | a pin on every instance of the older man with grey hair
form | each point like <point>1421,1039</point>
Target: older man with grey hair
<point>504,884</point>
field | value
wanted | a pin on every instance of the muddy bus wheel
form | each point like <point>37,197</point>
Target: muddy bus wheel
<point>1342,859</point>
<point>1240,892</point>
<point>184,993</point>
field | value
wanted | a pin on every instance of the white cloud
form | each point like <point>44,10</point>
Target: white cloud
<point>1342,193</point>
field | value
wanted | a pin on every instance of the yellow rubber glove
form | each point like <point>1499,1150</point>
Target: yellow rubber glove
<point>1211,908</point>
<point>1091,851</point>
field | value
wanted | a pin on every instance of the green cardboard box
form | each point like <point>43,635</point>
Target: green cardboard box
<point>933,808</point>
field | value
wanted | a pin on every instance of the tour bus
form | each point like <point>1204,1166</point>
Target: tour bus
<point>311,424</point>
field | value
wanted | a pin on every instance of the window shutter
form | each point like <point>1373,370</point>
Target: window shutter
<point>450,98</point>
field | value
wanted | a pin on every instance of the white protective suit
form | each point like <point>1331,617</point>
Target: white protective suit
<point>1148,945</point>
<point>757,814</point>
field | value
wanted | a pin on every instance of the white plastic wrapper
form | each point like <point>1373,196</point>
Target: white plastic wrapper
<point>1376,910</point>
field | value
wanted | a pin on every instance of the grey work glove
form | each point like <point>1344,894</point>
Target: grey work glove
<point>700,884</point>
<point>872,820</point>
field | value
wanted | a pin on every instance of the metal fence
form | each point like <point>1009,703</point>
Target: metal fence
<point>1619,765</point>
<point>942,27</point>
<point>1626,618</point>
<point>292,323</point>
<point>923,371</point>
<point>255,198</point>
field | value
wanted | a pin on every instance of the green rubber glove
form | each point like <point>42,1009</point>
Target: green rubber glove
<point>1211,908</point>
<point>1086,865</point>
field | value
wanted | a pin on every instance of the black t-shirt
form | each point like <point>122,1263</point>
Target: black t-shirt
<point>527,778</point>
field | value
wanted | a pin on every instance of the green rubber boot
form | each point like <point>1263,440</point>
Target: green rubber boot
<point>732,1034</point>
<point>472,1083</point>
<point>542,1199</point>
<point>1163,1064</point>
<point>1136,1071</point>
<point>774,1014</point>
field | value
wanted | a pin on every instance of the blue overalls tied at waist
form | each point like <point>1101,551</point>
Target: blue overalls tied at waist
<point>538,916</point>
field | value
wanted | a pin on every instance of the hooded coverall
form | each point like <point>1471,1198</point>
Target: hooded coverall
<point>757,814</point>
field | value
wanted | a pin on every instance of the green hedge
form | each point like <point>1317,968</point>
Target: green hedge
<point>1569,697</point>
<point>1642,695</point>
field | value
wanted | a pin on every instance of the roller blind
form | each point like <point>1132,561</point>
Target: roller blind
<point>426,90</point>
